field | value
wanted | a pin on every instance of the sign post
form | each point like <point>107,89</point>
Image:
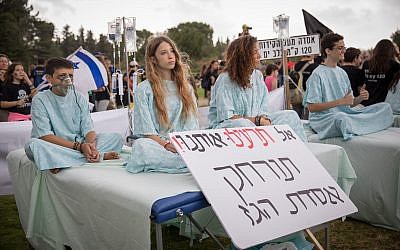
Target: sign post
<point>262,182</point>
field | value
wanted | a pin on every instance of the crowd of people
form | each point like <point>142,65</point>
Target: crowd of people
<point>165,101</point>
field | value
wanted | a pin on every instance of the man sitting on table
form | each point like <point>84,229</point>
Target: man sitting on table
<point>330,100</point>
<point>62,128</point>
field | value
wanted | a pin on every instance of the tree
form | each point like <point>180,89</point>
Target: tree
<point>68,44</point>
<point>193,38</point>
<point>81,36</point>
<point>104,46</point>
<point>44,44</point>
<point>90,42</point>
<point>16,24</point>
<point>396,37</point>
<point>141,43</point>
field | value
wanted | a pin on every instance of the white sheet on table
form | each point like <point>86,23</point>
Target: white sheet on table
<point>376,159</point>
<point>97,206</point>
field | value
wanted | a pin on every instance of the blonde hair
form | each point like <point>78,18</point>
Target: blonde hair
<point>179,75</point>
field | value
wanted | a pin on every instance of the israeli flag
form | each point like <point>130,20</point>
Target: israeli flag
<point>89,72</point>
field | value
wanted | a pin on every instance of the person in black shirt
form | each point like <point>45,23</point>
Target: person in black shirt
<point>379,71</point>
<point>308,70</point>
<point>351,64</point>
<point>17,91</point>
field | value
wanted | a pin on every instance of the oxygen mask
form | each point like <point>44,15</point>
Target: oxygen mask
<point>65,85</point>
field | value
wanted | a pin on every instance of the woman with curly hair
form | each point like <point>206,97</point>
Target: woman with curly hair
<point>164,103</point>
<point>239,98</point>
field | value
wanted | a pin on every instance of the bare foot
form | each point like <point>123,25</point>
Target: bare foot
<point>55,170</point>
<point>111,155</point>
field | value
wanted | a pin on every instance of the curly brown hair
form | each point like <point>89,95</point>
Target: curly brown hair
<point>179,75</point>
<point>240,61</point>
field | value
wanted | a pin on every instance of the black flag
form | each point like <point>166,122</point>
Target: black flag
<point>313,26</point>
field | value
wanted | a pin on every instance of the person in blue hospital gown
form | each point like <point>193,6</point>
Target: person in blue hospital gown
<point>62,129</point>
<point>330,100</point>
<point>164,103</point>
<point>393,96</point>
<point>239,97</point>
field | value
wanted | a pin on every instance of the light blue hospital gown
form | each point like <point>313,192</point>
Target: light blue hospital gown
<point>328,84</point>
<point>67,117</point>
<point>229,99</point>
<point>393,98</point>
<point>147,155</point>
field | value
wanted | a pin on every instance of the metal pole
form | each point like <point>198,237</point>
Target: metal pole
<point>126,60</point>
<point>285,76</point>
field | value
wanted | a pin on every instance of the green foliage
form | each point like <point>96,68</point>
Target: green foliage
<point>193,38</point>
<point>16,24</point>
<point>396,37</point>
<point>141,43</point>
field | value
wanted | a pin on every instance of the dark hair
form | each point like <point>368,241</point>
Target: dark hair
<point>328,42</point>
<point>239,60</point>
<point>270,68</point>
<point>382,56</point>
<point>41,61</point>
<point>10,71</point>
<point>55,63</point>
<point>351,54</point>
<point>4,55</point>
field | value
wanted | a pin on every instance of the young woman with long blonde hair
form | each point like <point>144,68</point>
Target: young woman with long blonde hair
<point>164,103</point>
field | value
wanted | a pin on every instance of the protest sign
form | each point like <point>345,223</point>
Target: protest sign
<point>295,46</point>
<point>262,182</point>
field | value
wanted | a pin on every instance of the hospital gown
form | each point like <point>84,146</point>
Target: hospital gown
<point>229,99</point>
<point>147,155</point>
<point>67,117</point>
<point>328,84</point>
<point>393,98</point>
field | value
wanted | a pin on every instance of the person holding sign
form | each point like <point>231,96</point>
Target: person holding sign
<point>164,103</point>
<point>239,98</point>
<point>330,99</point>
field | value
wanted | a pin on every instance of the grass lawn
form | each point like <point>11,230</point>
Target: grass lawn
<point>350,234</point>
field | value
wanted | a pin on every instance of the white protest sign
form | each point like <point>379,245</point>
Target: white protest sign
<point>262,182</point>
<point>295,46</point>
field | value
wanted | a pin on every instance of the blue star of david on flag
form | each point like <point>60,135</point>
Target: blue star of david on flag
<point>75,65</point>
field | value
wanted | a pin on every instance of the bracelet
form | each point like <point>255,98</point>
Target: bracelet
<point>257,120</point>
<point>165,144</point>
<point>31,87</point>
<point>75,147</point>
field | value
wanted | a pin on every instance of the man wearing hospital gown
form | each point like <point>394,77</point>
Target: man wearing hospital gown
<point>241,105</point>
<point>62,129</point>
<point>164,103</point>
<point>330,100</point>
<point>239,98</point>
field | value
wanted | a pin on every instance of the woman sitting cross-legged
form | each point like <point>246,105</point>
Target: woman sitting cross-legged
<point>164,103</point>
